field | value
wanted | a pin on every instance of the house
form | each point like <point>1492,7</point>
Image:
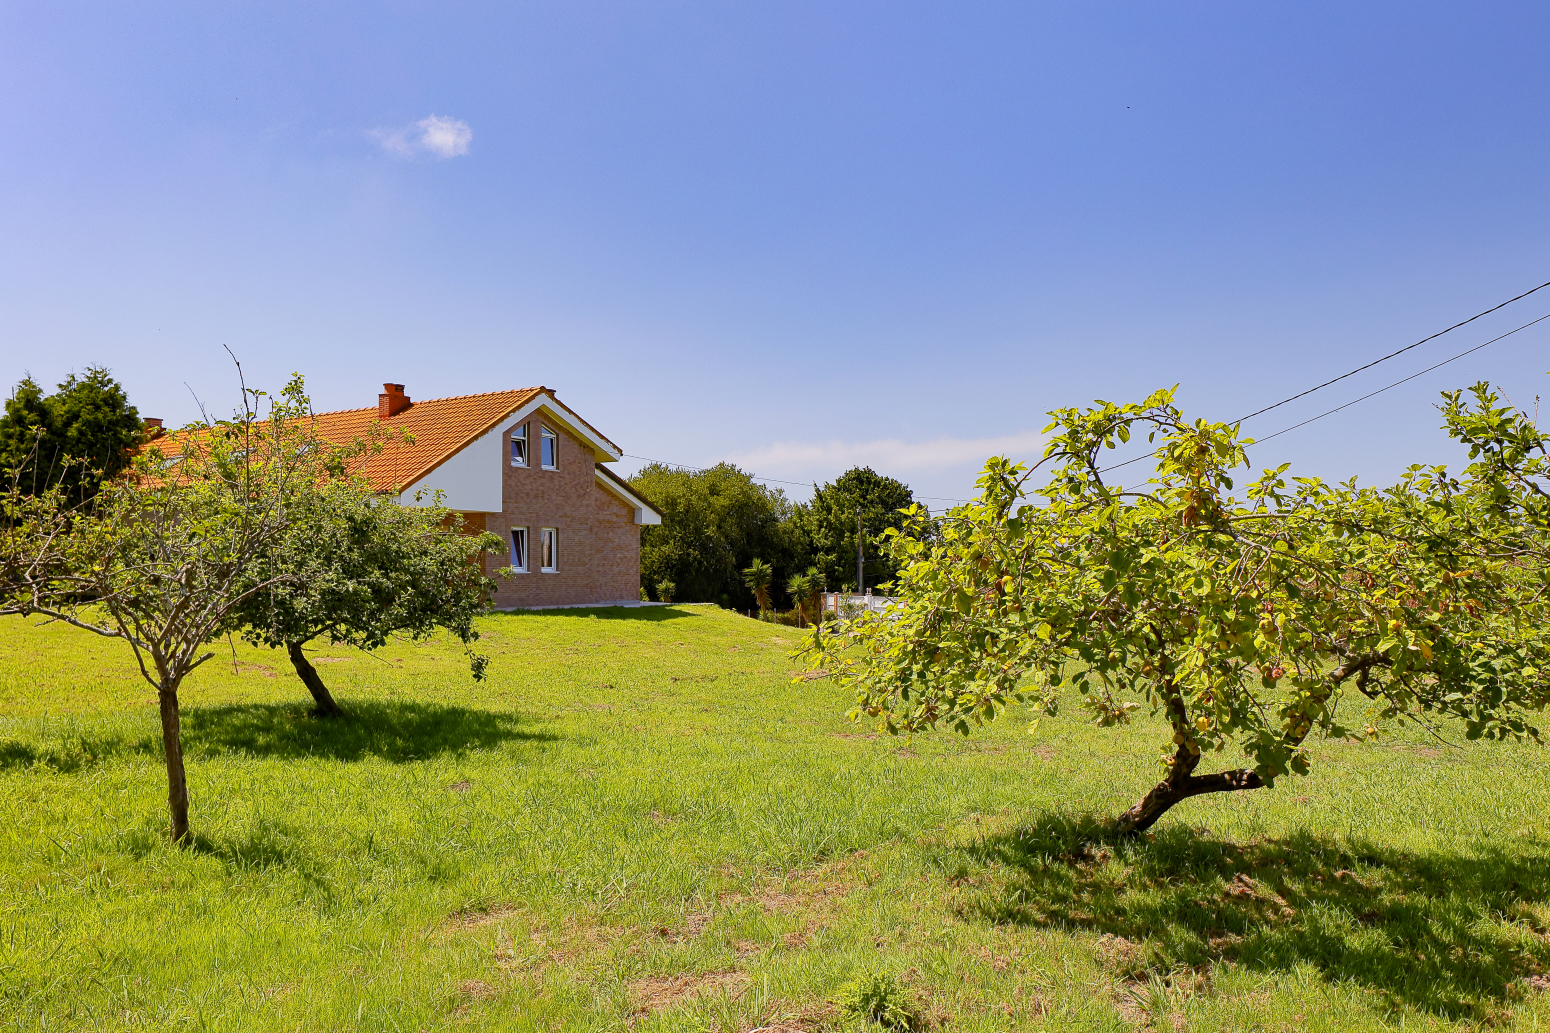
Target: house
<point>523,465</point>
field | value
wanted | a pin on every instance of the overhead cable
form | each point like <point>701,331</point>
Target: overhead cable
<point>1363,398</point>
<point>1396,383</point>
<point>1391,355</point>
<point>1276,405</point>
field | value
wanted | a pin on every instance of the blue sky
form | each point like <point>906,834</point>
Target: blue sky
<point>797,234</point>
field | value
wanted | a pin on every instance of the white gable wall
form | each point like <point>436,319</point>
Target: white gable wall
<point>471,480</point>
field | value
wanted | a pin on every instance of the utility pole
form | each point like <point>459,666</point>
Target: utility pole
<point>860,577</point>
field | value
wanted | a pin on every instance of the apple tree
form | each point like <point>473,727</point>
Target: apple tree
<point>356,568</point>
<point>1248,617</point>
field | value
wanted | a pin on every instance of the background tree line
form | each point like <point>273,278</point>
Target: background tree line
<point>716,522</point>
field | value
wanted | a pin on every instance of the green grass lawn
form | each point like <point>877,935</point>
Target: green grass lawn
<point>639,821</point>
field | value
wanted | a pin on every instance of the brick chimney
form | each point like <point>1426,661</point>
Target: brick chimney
<point>153,427</point>
<point>391,401</point>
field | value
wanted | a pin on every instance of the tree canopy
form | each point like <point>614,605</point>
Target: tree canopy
<point>826,525</point>
<point>715,522</point>
<point>77,437</point>
<point>1246,619</point>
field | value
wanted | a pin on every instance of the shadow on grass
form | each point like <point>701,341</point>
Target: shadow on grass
<point>75,752</point>
<point>1452,933</point>
<point>391,730</point>
<point>395,731</point>
<point>649,614</point>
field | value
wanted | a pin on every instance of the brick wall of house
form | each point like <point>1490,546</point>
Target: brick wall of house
<point>599,541</point>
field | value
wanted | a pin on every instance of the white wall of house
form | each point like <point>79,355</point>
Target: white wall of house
<point>471,479</point>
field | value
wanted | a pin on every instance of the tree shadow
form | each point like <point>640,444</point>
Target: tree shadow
<point>396,731</point>
<point>75,752</point>
<point>391,730</point>
<point>650,614</point>
<point>1452,933</point>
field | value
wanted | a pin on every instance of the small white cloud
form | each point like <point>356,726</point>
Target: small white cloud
<point>437,135</point>
<point>447,137</point>
<point>888,456</point>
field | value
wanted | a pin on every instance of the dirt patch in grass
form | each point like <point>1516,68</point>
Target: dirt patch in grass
<point>659,993</point>
<point>1158,1003</point>
<point>475,990</point>
<point>1117,952</point>
<point>804,892</point>
<point>1244,887</point>
<point>693,924</point>
<point>474,919</point>
<point>470,991</point>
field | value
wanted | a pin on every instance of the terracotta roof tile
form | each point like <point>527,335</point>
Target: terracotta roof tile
<point>439,428</point>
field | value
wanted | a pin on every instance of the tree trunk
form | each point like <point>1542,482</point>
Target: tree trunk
<point>309,677</point>
<point>172,746</point>
<point>1181,784</point>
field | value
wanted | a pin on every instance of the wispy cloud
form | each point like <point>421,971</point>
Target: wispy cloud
<point>887,456</point>
<point>437,136</point>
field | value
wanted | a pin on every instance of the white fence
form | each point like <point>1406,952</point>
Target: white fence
<point>846,604</point>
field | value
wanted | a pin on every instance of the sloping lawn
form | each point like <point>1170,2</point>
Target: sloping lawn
<point>640,821</point>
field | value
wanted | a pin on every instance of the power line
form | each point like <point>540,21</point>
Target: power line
<point>1363,398</point>
<point>1391,355</point>
<point>1258,412</point>
<point>1396,383</point>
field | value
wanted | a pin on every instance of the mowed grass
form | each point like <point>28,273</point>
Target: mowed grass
<point>642,821</point>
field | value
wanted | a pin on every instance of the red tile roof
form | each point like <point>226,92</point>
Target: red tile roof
<point>426,434</point>
<point>436,430</point>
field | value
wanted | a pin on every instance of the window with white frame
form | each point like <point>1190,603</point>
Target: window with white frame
<point>551,554</point>
<point>519,446</point>
<point>551,447</point>
<point>519,549</point>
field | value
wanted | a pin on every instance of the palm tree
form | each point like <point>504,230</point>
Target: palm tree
<point>800,586</point>
<point>815,588</point>
<point>805,589</point>
<point>758,577</point>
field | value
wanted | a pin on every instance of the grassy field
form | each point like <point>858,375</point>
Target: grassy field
<point>640,821</point>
